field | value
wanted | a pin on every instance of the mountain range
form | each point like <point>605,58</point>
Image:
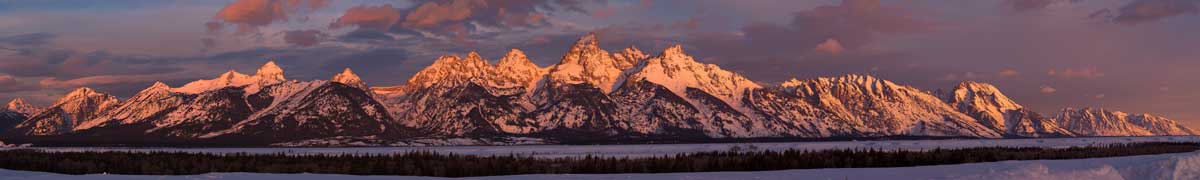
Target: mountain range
<point>591,95</point>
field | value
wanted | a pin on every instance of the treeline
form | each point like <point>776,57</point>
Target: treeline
<point>452,165</point>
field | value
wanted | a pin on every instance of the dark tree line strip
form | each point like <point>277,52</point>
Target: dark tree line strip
<point>452,165</point>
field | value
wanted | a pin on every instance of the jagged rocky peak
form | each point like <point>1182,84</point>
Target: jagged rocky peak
<point>474,59</point>
<point>19,105</point>
<point>869,83</point>
<point>84,93</point>
<point>146,103</point>
<point>990,107</point>
<point>586,63</point>
<point>587,42</point>
<point>983,101</point>
<point>1161,125</point>
<point>678,71</point>
<point>884,106</point>
<point>629,57</point>
<point>158,86</point>
<point>516,69</point>
<point>981,94</point>
<point>270,71</point>
<point>446,70</point>
<point>232,76</point>
<point>348,77</point>
<point>1099,122</point>
<point>268,74</point>
<point>450,69</point>
<point>75,108</point>
<point>515,58</point>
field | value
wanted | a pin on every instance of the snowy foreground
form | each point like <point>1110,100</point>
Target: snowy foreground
<point>1165,166</point>
<point>669,149</point>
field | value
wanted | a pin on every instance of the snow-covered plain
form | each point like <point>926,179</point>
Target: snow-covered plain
<point>666,149</point>
<point>1177,166</point>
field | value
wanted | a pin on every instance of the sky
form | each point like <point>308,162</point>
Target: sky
<point>1137,56</point>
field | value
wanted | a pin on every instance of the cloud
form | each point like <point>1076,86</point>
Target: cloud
<point>31,39</point>
<point>249,15</point>
<point>369,17</point>
<point>771,51</point>
<point>1076,73</point>
<point>10,84</point>
<point>1047,89</point>
<point>73,64</point>
<point>1141,11</point>
<point>457,18</point>
<point>1009,73</point>
<point>958,77</point>
<point>1029,5</point>
<point>1004,73</point>
<point>853,23</point>
<point>304,37</point>
<point>99,80</point>
<point>831,46</point>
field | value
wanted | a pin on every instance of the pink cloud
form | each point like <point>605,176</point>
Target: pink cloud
<point>434,13</point>
<point>1076,73</point>
<point>831,46</point>
<point>1047,89</point>
<point>1009,73</point>
<point>98,80</point>
<point>249,15</point>
<point>12,84</point>
<point>370,17</point>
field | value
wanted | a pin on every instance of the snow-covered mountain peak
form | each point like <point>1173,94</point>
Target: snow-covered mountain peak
<point>678,71</point>
<point>981,95</point>
<point>515,58</point>
<point>268,74</point>
<point>78,107</point>
<point>516,69</point>
<point>864,81</point>
<point>80,93</point>
<point>1099,122</point>
<point>1160,125</point>
<point>232,75</point>
<point>145,104</point>
<point>19,105</point>
<point>474,58</point>
<point>586,63</point>
<point>447,69</point>
<point>159,85</point>
<point>674,50</point>
<point>587,42</point>
<point>158,88</point>
<point>270,71</point>
<point>348,77</point>
<point>629,57</point>
<point>993,109</point>
<point>898,109</point>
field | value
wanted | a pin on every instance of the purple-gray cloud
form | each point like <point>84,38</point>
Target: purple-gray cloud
<point>304,37</point>
<point>1142,11</point>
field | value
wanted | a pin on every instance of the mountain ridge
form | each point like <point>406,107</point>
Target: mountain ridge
<point>590,94</point>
